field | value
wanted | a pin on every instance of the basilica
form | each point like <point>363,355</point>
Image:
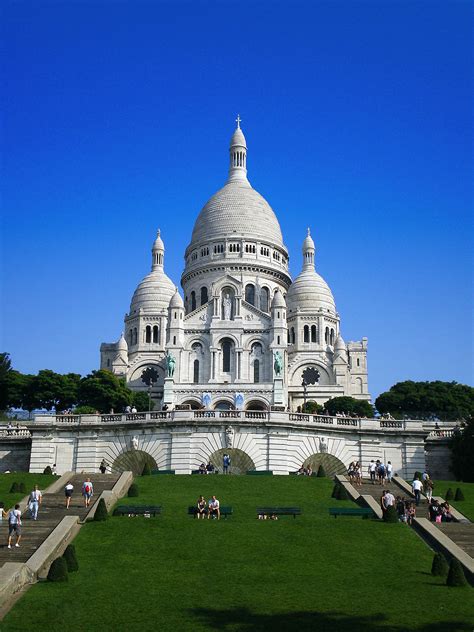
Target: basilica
<point>245,336</point>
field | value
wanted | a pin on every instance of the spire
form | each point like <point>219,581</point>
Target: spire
<point>158,253</point>
<point>238,154</point>
<point>308,252</point>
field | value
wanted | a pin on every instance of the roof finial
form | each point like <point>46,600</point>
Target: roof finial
<point>238,120</point>
<point>309,232</point>
<point>158,232</point>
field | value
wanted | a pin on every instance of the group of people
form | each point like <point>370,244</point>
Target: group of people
<point>208,509</point>
<point>354,473</point>
<point>380,472</point>
<point>207,469</point>
<point>305,471</point>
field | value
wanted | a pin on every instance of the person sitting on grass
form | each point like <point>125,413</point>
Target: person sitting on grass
<point>210,468</point>
<point>201,507</point>
<point>214,508</point>
<point>202,469</point>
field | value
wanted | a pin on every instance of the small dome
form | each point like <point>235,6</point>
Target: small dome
<point>176,300</point>
<point>238,138</point>
<point>154,293</point>
<point>310,292</point>
<point>278,300</point>
<point>308,243</point>
<point>340,344</point>
<point>158,243</point>
<point>122,344</point>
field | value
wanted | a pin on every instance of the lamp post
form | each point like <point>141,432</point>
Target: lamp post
<point>149,396</point>
<point>304,385</point>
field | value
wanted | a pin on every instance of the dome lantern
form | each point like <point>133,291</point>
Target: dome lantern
<point>158,253</point>
<point>238,155</point>
<point>308,252</point>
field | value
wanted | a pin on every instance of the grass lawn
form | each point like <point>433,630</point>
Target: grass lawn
<point>30,480</point>
<point>242,574</point>
<point>465,506</point>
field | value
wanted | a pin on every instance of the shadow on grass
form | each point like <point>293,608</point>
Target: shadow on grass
<point>242,619</point>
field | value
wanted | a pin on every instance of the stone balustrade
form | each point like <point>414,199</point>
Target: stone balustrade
<point>14,433</point>
<point>273,417</point>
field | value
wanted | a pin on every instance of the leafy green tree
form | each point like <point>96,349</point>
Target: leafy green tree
<point>5,369</point>
<point>462,450</point>
<point>425,400</point>
<point>104,391</point>
<point>19,389</point>
<point>349,405</point>
<point>141,401</point>
<point>313,408</point>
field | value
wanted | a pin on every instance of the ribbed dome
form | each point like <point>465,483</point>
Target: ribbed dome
<point>176,300</point>
<point>278,300</point>
<point>237,210</point>
<point>154,293</point>
<point>309,291</point>
<point>122,343</point>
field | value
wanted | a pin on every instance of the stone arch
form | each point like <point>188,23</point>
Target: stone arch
<point>195,403</point>
<point>325,372</point>
<point>135,373</point>
<point>224,403</point>
<point>133,461</point>
<point>331,464</point>
<point>257,404</point>
<point>240,461</point>
<point>193,339</point>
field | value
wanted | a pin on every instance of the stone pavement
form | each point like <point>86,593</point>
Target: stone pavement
<point>52,511</point>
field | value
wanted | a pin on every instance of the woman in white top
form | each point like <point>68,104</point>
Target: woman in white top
<point>34,502</point>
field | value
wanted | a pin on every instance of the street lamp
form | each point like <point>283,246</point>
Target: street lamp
<point>149,396</point>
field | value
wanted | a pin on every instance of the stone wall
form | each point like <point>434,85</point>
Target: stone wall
<point>15,454</point>
<point>438,458</point>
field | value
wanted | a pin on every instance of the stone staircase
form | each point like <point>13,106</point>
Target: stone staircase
<point>52,511</point>
<point>461,533</point>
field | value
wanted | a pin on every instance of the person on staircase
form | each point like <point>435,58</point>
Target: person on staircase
<point>14,525</point>
<point>68,493</point>
<point>34,502</point>
<point>87,491</point>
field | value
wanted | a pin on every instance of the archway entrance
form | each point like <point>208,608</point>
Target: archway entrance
<point>240,462</point>
<point>224,405</point>
<point>193,404</point>
<point>332,465</point>
<point>256,405</point>
<point>133,461</point>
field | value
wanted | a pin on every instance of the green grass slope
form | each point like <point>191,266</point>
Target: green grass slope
<point>242,574</point>
<point>30,480</point>
<point>465,506</point>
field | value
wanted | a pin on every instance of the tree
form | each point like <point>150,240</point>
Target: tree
<point>462,449</point>
<point>313,408</point>
<point>5,369</point>
<point>427,400</point>
<point>20,392</point>
<point>141,401</point>
<point>104,391</point>
<point>349,405</point>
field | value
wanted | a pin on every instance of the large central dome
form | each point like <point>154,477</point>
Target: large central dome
<point>237,210</point>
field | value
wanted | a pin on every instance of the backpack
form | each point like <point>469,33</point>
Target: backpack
<point>88,488</point>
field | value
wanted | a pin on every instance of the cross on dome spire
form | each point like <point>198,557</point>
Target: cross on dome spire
<point>238,155</point>
<point>238,120</point>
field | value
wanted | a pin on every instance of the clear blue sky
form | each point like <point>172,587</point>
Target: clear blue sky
<point>358,118</point>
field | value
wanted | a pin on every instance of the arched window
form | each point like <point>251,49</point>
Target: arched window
<point>358,362</point>
<point>313,333</point>
<point>156,334</point>
<point>130,336</point>
<point>289,337</point>
<point>306,334</point>
<point>196,372</point>
<point>193,301</point>
<point>204,298</point>
<point>174,340</point>
<point>264,299</point>
<point>135,336</point>
<point>256,371</point>
<point>293,336</point>
<point>197,347</point>
<point>148,334</point>
<point>332,337</point>
<point>326,335</point>
<point>226,349</point>
<point>250,293</point>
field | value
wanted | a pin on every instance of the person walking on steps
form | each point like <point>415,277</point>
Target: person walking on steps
<point>14,525</point>
<point>68,493</point>
<point>103,466</point>
<point>34,502</point>
<point>87,491</point>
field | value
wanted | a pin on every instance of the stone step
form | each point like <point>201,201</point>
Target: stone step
<point>52,511</point>
<point>461,534</point>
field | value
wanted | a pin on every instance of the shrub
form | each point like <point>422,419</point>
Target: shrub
<point>321,472</point>
<point>458,495</point>
<point>101,512</point>
<point>335,490</point>
<point>48,470</point>
<point>456,575</point>
<point>71,559</point>
<point>439,566</point>
<point>58,571</point>
<point>146,470</point>
<point>449,494</point>
<point>14,489</point>
<point>133,490</point>
<point>84,410</point>
<point>21,488</point>
<point>342,495</point>
<point>390,514</point>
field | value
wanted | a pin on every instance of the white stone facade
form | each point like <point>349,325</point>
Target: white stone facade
<point>240,309</point>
